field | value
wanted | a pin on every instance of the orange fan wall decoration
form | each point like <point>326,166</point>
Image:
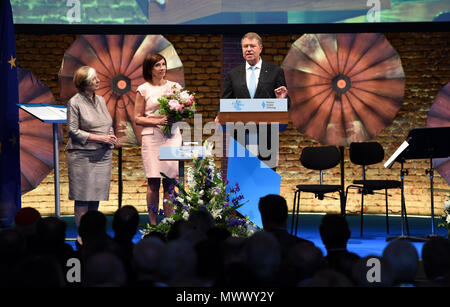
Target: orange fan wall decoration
<point>118,61</point>
<point>343,87</point>
<point>439,116</point>
<point>36,137</point>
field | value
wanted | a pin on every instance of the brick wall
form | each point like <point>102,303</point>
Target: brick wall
<point>206,57</point>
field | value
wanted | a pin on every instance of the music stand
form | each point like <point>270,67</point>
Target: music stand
<point>428,143</point>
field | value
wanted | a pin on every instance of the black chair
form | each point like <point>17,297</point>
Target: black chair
<point>317,158</point>
<point>364,154</point>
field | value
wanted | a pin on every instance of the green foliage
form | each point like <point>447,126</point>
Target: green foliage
<point>205,190</point>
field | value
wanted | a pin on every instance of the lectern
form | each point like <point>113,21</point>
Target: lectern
<point>257,111</point>
<point>255,177</point>
<point>253,110</point>
<point>54,114</point>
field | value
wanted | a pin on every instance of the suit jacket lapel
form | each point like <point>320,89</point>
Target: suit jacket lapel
<point>262,79</point>
<point>243,82</point>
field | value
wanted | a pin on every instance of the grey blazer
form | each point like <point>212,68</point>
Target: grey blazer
<point>86,116</point>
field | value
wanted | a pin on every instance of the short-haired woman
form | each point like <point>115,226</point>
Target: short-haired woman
<point>91,139</point>
<point>154,71</point>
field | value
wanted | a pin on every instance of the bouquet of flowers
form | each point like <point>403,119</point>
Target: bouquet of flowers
<point>205,191</point>
<point>446,216</point>
<point>177,104</point>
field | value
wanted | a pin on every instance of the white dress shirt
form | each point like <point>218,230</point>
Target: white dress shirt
<point>248,72</point>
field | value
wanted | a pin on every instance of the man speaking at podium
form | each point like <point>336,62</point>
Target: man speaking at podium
<point>255,79</point>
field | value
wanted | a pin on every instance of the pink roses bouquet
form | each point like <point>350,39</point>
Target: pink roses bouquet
<point>177,104</point>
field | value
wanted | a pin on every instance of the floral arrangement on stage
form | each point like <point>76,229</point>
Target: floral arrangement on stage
<point>446,216</point>
<point>177,104</point>
<point>205,190</point>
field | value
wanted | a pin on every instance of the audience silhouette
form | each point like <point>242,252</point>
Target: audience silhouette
<point>335,233</point>
<point>125,225</point>
<point>146,257</point>
<point>436,261</point>
<point>197,253</point>
<point>364,268</point>
<point>274,215</point>
<point>403,259</point>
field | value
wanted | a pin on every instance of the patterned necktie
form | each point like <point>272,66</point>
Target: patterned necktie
<point>252,82</point>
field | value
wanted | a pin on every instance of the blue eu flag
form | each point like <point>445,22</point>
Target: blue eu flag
<point>9,120</point>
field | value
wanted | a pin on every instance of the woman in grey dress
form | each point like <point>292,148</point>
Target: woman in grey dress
<point>91,139</point>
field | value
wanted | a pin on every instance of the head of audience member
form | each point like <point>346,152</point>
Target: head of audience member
<point>177,265</point>
<point>146,257</point>
<point>334,231</point>
<point>274,211</point>
<point>372,271</point>
<point>92,226</point>
<point>218,234</point>
<point>104,270</point>
<point>179,229</point>
<point>251,44</point>
<point>303,261</point>
<point>236,273</point>
<point>201,220</point>
<point>436,259</point>
<point>403,258</point>
<point>210,261</point>
<point>51,232</point>
<point>39,271</point>
<point>12,246</point>
<point>125,222</point>
<point>26,219</point>
<point>263,257</point>
<point>234,250</point>
<point>154,67</point>
<point>85,79</point>
<point>156,234</point>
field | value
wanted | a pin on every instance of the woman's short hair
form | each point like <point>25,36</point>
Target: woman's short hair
<point>253,35</point>
<point>83,76</point>
<point>150,60</point>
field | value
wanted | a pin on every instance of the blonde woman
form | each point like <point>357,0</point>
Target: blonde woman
<point>91,139</point>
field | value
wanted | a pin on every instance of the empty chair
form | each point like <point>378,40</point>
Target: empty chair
<point>317,158</point>
<point>364,154</point>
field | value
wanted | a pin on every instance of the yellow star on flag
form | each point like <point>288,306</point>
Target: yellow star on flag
<point>12,62</point>
<point>13,140</point>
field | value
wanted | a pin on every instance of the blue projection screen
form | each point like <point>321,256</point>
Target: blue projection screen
<point>226,12</point>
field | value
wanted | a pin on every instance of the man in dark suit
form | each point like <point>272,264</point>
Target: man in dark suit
<point>274,215</point>
<point>270,81</point>
<point>256,78</point>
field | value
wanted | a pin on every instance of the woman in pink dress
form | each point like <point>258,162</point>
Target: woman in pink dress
<point>146,104</point>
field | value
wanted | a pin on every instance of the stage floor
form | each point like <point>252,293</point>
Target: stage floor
<point>372,243</point>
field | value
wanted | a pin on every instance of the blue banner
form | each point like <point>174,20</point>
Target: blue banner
<point>10,191</point>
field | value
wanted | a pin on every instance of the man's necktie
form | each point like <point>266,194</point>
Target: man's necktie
<point>252,83</point>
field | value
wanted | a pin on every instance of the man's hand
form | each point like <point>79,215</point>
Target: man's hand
<point>281,92</point>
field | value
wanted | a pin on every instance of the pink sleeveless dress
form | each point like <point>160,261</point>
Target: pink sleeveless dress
<point>153,137</point>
